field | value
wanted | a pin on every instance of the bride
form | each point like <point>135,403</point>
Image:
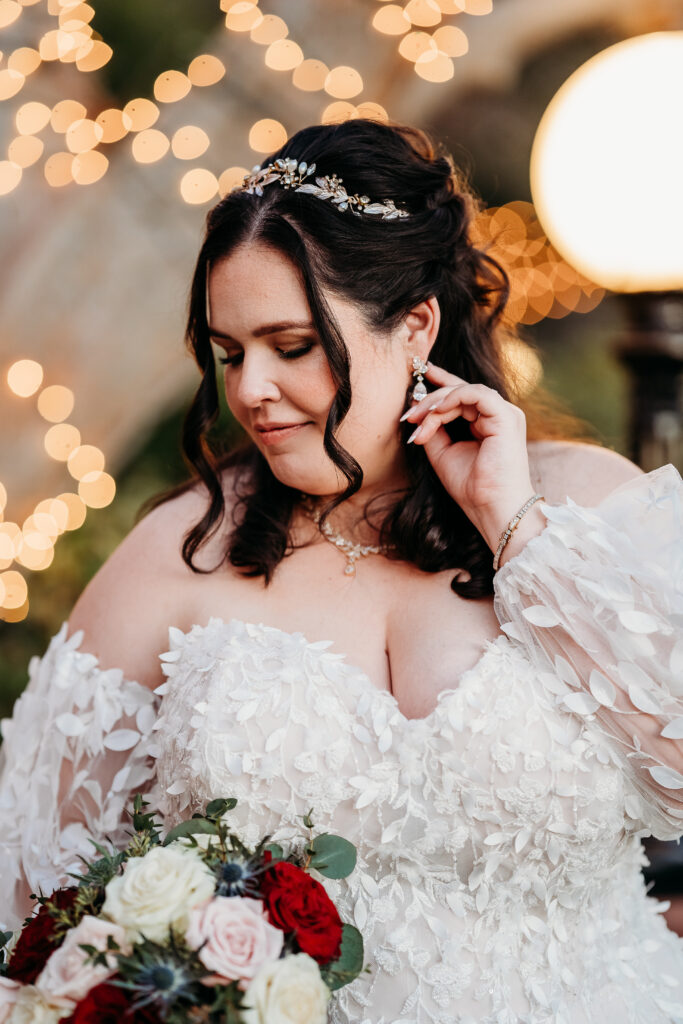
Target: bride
<point>460,647</point>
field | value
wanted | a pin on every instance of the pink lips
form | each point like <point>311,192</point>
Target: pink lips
<point>269,437</point>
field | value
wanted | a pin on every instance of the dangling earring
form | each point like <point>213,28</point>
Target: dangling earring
<point>420,390</point>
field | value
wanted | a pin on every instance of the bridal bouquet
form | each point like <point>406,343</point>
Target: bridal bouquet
<point>193,928</point>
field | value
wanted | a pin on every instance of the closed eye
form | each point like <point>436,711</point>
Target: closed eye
<point>287,353</point>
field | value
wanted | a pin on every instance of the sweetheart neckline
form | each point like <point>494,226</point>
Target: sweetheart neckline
<point>356,673</point>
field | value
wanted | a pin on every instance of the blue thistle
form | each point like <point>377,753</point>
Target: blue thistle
<point>238,876</point>
<point>163,976</point>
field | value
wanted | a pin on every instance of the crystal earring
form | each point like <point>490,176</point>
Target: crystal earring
<point>420,390</point>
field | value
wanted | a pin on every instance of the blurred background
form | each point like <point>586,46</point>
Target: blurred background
<point>123,122</point>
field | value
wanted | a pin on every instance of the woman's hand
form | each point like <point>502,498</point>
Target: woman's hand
<point>488,476</point>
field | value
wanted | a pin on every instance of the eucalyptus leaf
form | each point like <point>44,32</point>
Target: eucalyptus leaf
<point>332,856</point>
<point>275,850</point>
<point>350,963</point>
<point>194,827</point>
<point>217,808</point>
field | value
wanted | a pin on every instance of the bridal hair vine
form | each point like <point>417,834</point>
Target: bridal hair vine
<point>292,174</point>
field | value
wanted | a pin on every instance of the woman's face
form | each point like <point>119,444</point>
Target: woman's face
<point>277,374</point>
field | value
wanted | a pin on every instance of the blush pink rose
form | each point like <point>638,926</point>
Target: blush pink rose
<point>9,993</point>
<point>237,935</point>
<point>69,975</point>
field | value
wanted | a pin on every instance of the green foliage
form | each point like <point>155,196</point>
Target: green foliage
<point>332,856</point>
<point>350,962</point>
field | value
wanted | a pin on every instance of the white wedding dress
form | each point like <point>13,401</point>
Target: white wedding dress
<point>498,876</point>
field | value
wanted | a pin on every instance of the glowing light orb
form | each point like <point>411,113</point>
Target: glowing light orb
<point>61,440</point>
<point>267,135</point>
<point>197,186</point>
<point>25,377</point>
<point>32,117</point>
<point>343,83</point>
<point>206,70</point>
<point>607,166</point>
<point>10,176</point>
<point>25,150</point>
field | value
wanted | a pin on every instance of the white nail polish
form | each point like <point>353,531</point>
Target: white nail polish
<point>405,415</point>
<point>414,434</point>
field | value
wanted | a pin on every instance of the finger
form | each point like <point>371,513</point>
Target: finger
<point>424,405</point>
<point>437,375</point>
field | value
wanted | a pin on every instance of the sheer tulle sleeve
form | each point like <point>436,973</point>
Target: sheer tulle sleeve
<point>73,752</point>
<point>597,601</point>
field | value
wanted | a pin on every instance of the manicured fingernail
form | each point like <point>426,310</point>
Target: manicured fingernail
<point>405,415</point>
<point>414,435</point>
<point>436,405</point>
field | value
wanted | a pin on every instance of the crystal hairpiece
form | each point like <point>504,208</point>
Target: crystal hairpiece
<point>292,174</point>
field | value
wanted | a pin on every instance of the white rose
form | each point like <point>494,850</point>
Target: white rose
<point>158,891</point>
<point>289,991</point>
<point>68,975</point>
<point>31,1008</point>
<point>9,993</point>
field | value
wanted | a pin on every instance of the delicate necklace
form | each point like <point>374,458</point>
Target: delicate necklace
<point>352,551</point>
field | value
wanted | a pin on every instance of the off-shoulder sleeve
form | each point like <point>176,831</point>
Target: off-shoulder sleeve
<point>73,752</point>
<point>597,601</point>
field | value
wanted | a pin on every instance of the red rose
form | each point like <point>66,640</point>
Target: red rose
<point>109,1004</point>
<point>38,940</point>
<point>298,903</point>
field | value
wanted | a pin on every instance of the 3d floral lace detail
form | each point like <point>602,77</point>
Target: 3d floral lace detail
<point>498,877</point>
<point>77,738</point>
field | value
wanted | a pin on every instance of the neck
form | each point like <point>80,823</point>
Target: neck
<point>348,519</point>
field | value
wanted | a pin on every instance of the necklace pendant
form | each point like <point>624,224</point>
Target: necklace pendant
<point>350,569</point>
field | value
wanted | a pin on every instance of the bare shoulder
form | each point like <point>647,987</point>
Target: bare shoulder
<point>587,473</point>
<point>144,587</point>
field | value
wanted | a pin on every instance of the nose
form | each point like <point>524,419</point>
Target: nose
<point>257,381</point>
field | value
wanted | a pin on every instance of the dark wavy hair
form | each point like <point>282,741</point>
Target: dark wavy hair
<point>386,268</point>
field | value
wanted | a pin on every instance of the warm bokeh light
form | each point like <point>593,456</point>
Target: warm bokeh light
<point>25,377</point>
<point>241,16</point>
<point>415,44</point>
<point>114,123</point>
<point>451,40</point>
<point>373,112</point>
<point>83,135</point>
<point>434,66</point>
<point>607,166</point>
<point>55,403</point>
<point>284,55</point>
<point>65,113</point>
<point>32,117</point>
<point>97,490</point>
<point>343,83</point>
<point>24,59</point>
<point>171,86</point>
<point>423,12</point>
<point>10,176</point>
<point>267,135</point>
<point>58,169</point>
<point>15,589</point>
<point>338,111</point>
<point>3,498</point>
<point>150,145</point>
<point>310,75</point>
<point>61,440</point>
<point>198,186</point>
<point>84,460</point>
<point>230,179</point>
<point>76,509</point>
<point>391,20</point>
<point>269,30</point>
<point>541,282</point>
<point>477,6</point>
<point>88,168</point>
<point>98,54</point>
<point>189,142</point>
<point>9,12</point>
<point>25,150</point>
<point>206,70</point>
<point>141,113</point>
<point>11,82</point>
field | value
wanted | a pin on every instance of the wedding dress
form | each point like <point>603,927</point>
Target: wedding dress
<point>498,876</point>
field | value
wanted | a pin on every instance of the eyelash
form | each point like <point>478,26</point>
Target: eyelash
<point>293,353</point>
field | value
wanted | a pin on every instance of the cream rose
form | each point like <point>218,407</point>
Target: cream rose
<point>237,938</point>
<point>9,993</point>
<point>69,975</point>
<point>289,991</point>
<point>158,891</point>
<point>31,1008</point>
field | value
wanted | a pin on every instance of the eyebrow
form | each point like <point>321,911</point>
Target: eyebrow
<point>260,332</point>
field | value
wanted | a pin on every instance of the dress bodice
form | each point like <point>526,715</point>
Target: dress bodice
<point>496,853</point>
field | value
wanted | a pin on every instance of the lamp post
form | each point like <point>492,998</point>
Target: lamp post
<point>607,183</point>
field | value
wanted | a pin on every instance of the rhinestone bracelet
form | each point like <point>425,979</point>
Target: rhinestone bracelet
<point>512,526</point>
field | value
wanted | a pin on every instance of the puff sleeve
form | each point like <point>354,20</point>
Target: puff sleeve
<point>596,600</point>
<point>73,753</point>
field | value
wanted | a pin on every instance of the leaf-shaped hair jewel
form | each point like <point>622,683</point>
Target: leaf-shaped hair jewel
<point>292,174</point>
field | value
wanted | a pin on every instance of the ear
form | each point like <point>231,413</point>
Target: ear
<point>422,327</point>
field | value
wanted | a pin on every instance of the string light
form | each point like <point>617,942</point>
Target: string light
<point>31,546</point>
<point>542,284</point>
